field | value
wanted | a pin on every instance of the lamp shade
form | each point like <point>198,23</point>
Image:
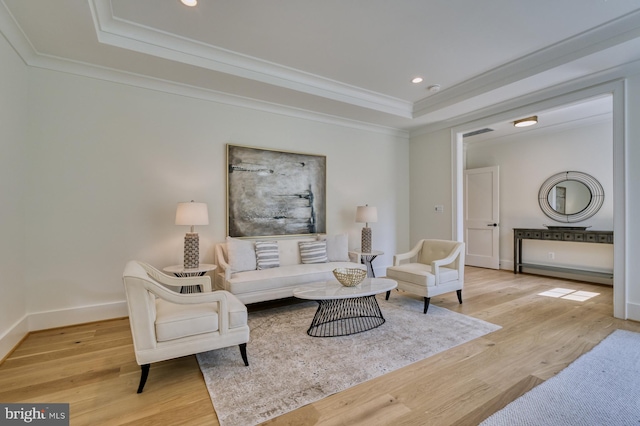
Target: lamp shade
<point>192,214</point>
<point>366,214</point>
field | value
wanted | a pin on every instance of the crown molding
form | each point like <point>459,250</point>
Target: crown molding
<point>586,43</point>
<point>160,85</point>
<point>569,91</point>
<point>128,35</point>
<point>26,51</point>
<point>15,36</point>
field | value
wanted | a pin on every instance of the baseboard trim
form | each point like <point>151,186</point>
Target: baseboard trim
<point>12,337</point>
<point>79,315</point>
<point>59,318</point>
<point>633,311</point>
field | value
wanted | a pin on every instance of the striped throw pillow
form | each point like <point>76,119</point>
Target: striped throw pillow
<point>267,255</point>
<point>313,251</point>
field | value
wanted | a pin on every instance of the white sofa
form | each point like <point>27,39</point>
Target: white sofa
<point>238,266</point>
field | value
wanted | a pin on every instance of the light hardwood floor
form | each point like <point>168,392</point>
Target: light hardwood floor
<point>92,366</point>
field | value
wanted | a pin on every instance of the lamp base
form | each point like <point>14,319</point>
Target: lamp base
<point>366,240</point>
<point>191,250</point>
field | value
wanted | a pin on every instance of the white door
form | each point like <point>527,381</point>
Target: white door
<point>481,217</point>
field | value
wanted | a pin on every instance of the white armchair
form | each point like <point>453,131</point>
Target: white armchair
<point>431,268</point>
<point>166,324</point>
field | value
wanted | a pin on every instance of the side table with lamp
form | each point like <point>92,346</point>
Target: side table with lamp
<point>366,258</point>
<point>191,214</point>
<point>366,214</point>
<point>181,271</point>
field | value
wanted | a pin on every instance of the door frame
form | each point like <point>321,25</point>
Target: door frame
<point>616,90</point>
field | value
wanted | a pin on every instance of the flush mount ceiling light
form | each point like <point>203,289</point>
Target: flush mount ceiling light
<point>416,80</point>
<point>189,3</point>
<point>524,122</point>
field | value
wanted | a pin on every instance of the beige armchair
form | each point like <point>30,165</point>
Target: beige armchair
<point>166,324</point>
<point>431,268</point>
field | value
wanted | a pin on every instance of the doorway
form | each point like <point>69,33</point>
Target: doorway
<point>615,90</point>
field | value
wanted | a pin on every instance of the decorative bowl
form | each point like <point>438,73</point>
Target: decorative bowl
<point>349,277</point>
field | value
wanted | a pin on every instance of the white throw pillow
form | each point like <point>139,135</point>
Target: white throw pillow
<point>267,254</point>
<point>338,248</point>
<point>242,255</point>
<point>313,251</point>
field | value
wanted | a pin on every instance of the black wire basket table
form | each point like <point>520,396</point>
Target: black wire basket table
<point>343,311</point>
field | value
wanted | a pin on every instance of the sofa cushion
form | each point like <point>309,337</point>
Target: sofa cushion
<point>337,247</point>
<point>241,254</point>
<point>267,254</point>
<point>420,274</point>
<point>285,276</point>
<point>313,251</point>
<point>289,251</point>
<point>174,320</point>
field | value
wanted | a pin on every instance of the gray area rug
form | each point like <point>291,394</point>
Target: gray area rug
<point>288,369</point>
<point>602,387</point>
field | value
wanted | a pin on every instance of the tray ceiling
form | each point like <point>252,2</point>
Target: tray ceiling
<point>352,60</point>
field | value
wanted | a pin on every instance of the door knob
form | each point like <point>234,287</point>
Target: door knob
<point>492,224</point>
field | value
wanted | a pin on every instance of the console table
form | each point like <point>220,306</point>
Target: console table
<point>572,235</point>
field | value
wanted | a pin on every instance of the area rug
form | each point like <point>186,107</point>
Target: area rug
<point>602,387</point>
<point>288,369</point>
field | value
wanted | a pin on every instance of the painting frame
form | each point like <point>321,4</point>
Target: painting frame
<point>274,193</point>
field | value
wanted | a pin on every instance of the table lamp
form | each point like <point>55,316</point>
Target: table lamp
<point>192,214</point>
<point>366,214</point>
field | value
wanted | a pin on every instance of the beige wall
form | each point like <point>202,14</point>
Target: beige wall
<point>430,170</point>
<point>13,126</point>
<point>425,149</point>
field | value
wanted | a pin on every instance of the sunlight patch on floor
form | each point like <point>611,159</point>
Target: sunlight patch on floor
<point>566,293</point>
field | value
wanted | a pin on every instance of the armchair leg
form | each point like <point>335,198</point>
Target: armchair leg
<point>243,352</point>
<point>144,373</point>
<point>426,304</point>
<point>459,293</point>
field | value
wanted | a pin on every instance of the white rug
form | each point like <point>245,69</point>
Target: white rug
<point>288,369</point>
<point>602,387</point>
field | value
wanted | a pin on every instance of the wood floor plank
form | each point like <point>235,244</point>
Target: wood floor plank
<point>92,366</point>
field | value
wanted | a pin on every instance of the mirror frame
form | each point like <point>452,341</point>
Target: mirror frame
<point>597,196</point>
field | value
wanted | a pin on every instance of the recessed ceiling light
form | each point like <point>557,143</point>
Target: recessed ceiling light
<point>189,3</point>
<point>416,80</point>
<point>434,88</point>
<point>524,122</point>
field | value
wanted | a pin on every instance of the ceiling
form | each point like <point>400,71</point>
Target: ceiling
<point>348,59</point>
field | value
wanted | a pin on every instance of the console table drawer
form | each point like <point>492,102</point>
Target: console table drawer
<point>604,238</point>
<point>551,235</point>
<point>576,236</point>
<point>529,234</point>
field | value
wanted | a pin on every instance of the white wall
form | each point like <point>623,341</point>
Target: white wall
<point>109,162</point>
<point>13,126</point>
<point>526,160</point>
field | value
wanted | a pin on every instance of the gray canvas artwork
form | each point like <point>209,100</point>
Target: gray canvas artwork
<point>275,193</point>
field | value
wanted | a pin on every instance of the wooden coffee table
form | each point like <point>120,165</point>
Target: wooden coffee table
<point>345,310</point>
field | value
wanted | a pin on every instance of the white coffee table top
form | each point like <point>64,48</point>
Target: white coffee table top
<point>334,290</point>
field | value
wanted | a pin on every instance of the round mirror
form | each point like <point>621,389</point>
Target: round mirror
<point>570,196</point>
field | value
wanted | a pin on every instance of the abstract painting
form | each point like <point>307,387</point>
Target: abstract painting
<point>273,193</point>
